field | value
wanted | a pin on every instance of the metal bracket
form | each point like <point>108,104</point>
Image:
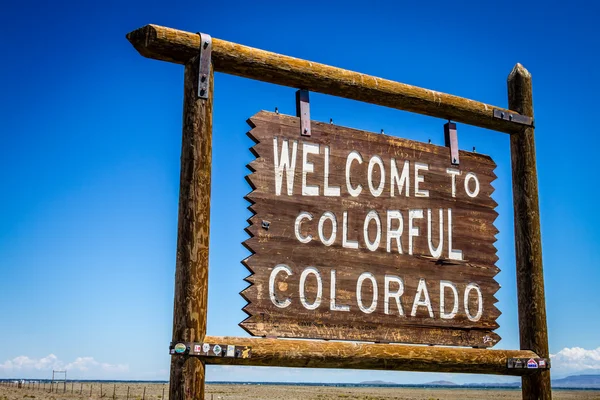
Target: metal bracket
<point>451,139</point>
<point>514,117</point>
<point>303,111</point>
<point>204,68</point>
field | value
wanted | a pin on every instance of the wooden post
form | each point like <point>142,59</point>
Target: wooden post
<point>530,277</point>
<point>114,390</point>
<point>91,386</point>
<point>191,270</point>
<point>127,392</point>
<point>144,395</point>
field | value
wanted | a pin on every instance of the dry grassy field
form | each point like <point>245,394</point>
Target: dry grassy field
<point>148,391</point>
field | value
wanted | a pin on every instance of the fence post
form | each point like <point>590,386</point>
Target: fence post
<point>144,395</point>
<point>191,267</point>
<point>533,329</point>
<point>91,386</point>
<point>114,389</point>
<point>127,392</point>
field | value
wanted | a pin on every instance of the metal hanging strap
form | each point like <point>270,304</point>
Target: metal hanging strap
<point>451,140</point>
<point>303,111</point>
<point>204,67</point>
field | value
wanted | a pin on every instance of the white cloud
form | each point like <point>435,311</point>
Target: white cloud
<point>88,363</point>
<point>81,367</point>
<point>576,359</point>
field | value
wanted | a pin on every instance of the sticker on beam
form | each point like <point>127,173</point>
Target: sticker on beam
<point>210,350</point>
<point>528,363</point>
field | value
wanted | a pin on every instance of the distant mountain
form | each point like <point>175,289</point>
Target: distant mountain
<point>377,383</point>
<point>578,381</point>
<point>440,383</point>
<point>570,382</point>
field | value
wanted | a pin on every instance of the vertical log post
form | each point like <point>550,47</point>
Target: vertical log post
<point>191,270</point>
<point>533,330</point>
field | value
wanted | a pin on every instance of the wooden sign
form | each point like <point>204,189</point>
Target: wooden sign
<point>363,236</point>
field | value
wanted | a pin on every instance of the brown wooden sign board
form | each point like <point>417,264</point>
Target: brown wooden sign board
<point>363,236</point>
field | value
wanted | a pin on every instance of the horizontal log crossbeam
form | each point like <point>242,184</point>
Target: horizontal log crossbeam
<point>331,354</point>
<point>177,46</point>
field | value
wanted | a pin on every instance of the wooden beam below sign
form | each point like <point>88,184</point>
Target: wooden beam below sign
<point>167,44</point>
<point>354,355</point>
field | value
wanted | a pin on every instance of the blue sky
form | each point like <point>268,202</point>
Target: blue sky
<point>89,164</point>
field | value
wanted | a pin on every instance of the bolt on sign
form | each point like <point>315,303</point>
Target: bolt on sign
<point>363,236</point>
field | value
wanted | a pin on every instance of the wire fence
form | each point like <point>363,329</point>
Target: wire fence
<point>106,390</point>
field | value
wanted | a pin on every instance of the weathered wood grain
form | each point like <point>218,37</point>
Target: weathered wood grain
<point>178,46</point>
<point>191,271</point>
<point>533,328</point>
<point>391,357</point>
<point>474,234</point>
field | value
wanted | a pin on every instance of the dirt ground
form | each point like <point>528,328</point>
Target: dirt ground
<point>149,391</point>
